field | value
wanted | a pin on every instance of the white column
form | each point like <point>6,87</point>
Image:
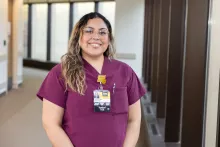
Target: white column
<point>213,79</point>
<point>17,42</point>
<point>3,45</point>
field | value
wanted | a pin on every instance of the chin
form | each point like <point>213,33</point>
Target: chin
<point>96,55</point>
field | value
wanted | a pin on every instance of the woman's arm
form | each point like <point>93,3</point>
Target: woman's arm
<point>52,119</point>
<point>134,122</point>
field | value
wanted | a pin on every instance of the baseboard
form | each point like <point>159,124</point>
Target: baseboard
<point>10,83</point>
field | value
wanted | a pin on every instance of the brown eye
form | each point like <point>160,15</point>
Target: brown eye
<point>88,31</point>
<point>103,33</point>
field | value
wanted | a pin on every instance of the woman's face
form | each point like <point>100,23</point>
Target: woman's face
<point>94,40</point>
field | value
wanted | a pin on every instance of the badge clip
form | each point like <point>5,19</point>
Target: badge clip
<point>101,87</point>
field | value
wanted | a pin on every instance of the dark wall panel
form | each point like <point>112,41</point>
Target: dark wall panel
<point>163,59</point>
<point>195,73</point>
<point>145,49</point>
<point>175,65</point>
<point>29,31</point>
<point>155,52</point>
<point>149,44</point>
<point>49,17</point>
<point>71,19</point>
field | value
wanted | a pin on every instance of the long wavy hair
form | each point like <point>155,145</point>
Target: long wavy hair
<point>72,64</point>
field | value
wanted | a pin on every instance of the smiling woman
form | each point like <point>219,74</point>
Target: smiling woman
<point>94,40</point>
<point>90,93</point>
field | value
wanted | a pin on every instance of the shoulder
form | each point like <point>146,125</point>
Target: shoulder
<point>122,65</point>
<point>56,70</point>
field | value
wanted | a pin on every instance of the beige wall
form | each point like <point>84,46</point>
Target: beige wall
<point>213,80</point>
<point>17,41</point>
<point>129,31</point>
<point>10,6</point>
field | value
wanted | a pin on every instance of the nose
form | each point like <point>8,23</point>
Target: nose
<point>95,36</point>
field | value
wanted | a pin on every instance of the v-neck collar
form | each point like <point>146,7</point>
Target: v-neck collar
<point>91,70</point>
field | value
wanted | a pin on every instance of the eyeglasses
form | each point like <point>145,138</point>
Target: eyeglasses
<point>90,32</point>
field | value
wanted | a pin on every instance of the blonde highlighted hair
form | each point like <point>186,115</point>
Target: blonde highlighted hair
<point>72,63</point>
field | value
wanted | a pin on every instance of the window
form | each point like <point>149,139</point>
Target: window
<point>59,31</point>
<point>60,23</point>
<point>107,9</point>
<point>80,9</point>
<point>39,32</point>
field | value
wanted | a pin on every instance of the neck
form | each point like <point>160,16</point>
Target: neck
<point>96,62</point>
<point>91,60</point>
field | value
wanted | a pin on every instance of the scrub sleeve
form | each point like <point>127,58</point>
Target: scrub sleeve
<point>53,89</point>
<point>135,88</point>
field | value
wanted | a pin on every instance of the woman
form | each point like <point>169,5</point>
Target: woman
<point>73,115</point>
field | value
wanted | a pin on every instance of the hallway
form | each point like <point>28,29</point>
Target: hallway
<point>172,45</point>
<point>20,123</point>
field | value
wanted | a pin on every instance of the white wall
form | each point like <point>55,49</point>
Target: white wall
<point>129,31</point>
<point>3,48</point>
<point>3,25</point>
<point>17,47</point>
<point>213,80</point>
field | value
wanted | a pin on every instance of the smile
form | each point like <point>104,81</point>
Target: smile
<point>95,45</point>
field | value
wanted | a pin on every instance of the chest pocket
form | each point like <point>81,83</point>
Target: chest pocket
<point>120,100</point>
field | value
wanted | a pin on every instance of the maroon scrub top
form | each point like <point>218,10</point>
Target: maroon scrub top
<point>87,128</point>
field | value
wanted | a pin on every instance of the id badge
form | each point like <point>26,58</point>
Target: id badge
<point>102,100</point>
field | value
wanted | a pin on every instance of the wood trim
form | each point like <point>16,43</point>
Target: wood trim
<point>10,39</point>
<point>156,51</point>
<point>163,59</point>
<point>129,56</point>
<point>175,66</point>
<point>145,58</point>
<point>150,44</point>
<point>39,64</point>
<point>194,85</point>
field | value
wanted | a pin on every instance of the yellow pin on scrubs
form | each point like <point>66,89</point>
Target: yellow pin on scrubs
<point>101,79</point>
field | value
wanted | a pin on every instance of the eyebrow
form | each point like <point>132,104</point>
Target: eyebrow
<point>99,29</point>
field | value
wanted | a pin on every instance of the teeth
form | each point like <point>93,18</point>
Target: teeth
<point>95,45</point>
